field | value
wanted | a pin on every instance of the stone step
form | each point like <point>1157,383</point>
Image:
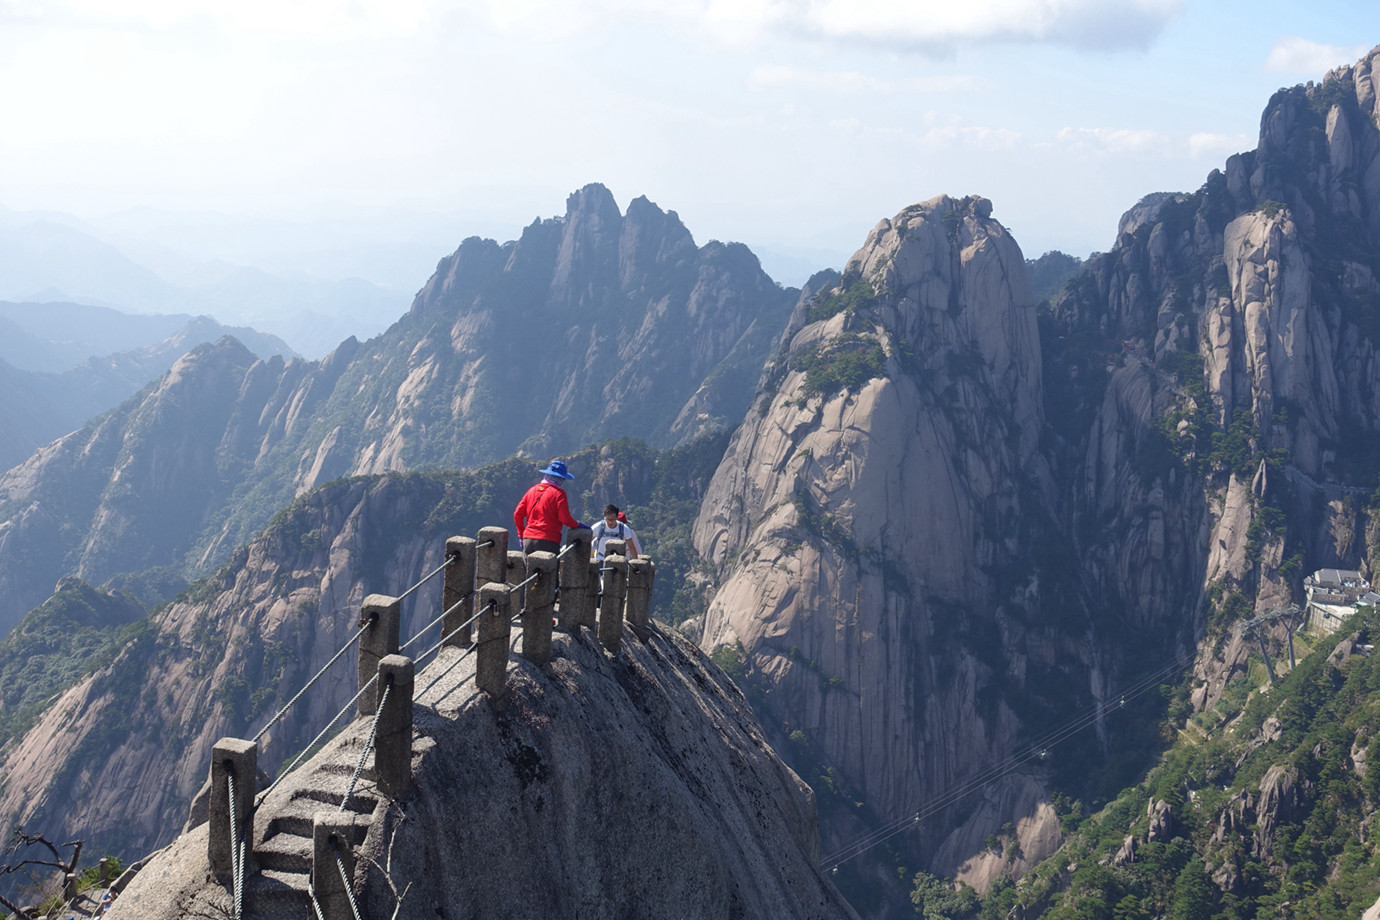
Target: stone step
<point>348,769</point>
<point>362,801</point>
<point>277,895</point>
<point>284,853</point>
<point>299,824</point>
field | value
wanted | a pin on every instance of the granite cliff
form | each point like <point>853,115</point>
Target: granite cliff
<point>947,524</point>
<point>634,783</point>
<point>872,517</point>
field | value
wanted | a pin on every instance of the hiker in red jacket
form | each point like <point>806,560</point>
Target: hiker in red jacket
<point>542,511</point>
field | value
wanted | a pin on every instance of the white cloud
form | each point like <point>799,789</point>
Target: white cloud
<point>1133,142</point>
<point>309,19</point>
<point>20,11</point>
<point>971,137</point>
<point>937,25</point>
<point>929,26</point>
<point>1204,144</point>
<point>1119,141</point>
<point>1300,56</point>
<point>849,81</point>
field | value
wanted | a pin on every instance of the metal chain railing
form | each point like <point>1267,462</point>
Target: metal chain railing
<point>238,853</point>
<point>522,584</point>
<point>448,636</point>
<point>434,572</point>
<point>345,879</point>
<point>368,746</point>
<point>445,613</point>
<point>315,741</point>
<point>334,658</point>
<point>360,632</point>
<point>236,846</point>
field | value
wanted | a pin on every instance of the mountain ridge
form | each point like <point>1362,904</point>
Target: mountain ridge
<point>539,346</point>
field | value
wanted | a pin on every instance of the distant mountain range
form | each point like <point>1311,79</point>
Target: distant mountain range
<point>62,364</point>
<point>591,326</point>
<point>54,258</point>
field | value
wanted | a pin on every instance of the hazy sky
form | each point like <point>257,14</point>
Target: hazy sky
<point>780,123</point>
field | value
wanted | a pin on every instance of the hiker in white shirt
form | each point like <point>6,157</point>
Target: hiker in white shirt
<point>614,527</point>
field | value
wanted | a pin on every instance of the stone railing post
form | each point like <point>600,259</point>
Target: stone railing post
<point>541,601</point>
<point>491,556</point>
<point>231,757</point>
<point>615,573</point>
<point>577,604</point>
<point>595,593</point>
<point>458,592</point>
<point>495,626</point>
<point>383,614</point>
<point>639,592</point>
<point>393,740</point>
<point>516,574</point>
<point>331,834</point>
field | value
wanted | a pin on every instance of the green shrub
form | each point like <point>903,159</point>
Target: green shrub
<point>845,362</point>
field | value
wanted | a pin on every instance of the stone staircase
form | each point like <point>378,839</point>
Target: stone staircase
<point>283,853</point>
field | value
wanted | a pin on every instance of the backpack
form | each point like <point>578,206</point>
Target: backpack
<point>605,533</point>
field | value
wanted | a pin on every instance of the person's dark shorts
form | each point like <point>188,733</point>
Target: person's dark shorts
<point>541,546</point>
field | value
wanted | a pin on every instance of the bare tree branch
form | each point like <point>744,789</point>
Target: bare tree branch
<point>14,909</point>
<point>386,870</point>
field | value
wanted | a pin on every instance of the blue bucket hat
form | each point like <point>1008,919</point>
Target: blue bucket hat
<point>557,468</point>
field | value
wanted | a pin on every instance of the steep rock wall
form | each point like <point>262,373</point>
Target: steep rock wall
<point>870,537</point>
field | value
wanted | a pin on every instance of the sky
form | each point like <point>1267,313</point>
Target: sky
<point>790,125</point>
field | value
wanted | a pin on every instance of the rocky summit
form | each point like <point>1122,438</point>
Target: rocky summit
<point>863,508</point>
<point>627,784</point>
<point>955,518</point>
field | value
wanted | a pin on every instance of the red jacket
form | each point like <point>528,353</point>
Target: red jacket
<point>541,513</point>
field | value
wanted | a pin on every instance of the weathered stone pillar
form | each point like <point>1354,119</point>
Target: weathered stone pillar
<point>541,602</point>
<point>516,575</point>
<point>495,626</point>
<point>615,592</point>
<point>231,757</point>
<point>639,606</point>
<point>69,886</point>
<point>595,593</point>
<point>491,556</point>
<point>457,597</point>
<point>331,834</point>
<point>383,614</point>
<point>577,604</point>
<point>103,877</point>
<point>393,740</point>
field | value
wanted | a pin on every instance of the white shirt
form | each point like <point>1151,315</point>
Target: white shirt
<point>603,533</point>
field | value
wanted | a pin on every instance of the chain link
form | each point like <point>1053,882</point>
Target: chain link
<point>345,879</point>
<point>236,846</point>
<point>368,745</point>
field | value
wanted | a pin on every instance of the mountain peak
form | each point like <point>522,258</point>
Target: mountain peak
<point>594,200</point>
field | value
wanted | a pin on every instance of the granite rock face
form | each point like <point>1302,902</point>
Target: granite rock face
<point>859,530</point>
<point>942,526</point>
<point>608,785</point>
